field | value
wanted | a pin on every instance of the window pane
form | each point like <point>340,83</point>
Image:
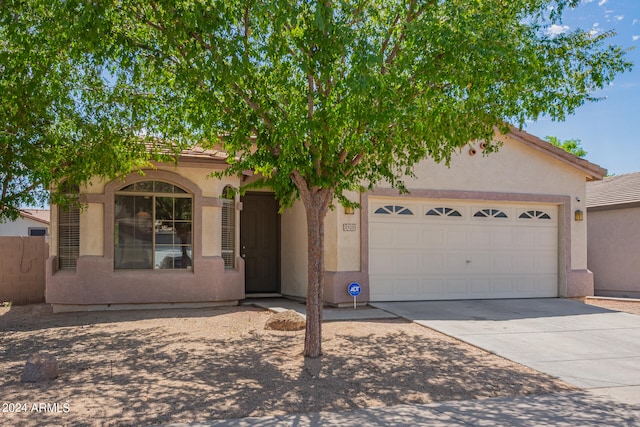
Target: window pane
<point>163,187</point>
<point>153,231</point>
<point>164,208</point>
<point>144,186</point>
<point>182,233</point>
<point>173,257</point>
<point>133,232</point>
<point>183,209</point>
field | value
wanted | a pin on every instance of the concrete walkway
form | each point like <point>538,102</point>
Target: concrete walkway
<point>567,409</point>
<point>590,347</point>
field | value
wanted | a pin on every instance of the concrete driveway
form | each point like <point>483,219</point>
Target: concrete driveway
<point>587,346</point>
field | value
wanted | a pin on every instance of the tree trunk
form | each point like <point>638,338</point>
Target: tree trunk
<point>316,203</point>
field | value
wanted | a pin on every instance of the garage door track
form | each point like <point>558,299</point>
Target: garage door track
<point>589,347</point>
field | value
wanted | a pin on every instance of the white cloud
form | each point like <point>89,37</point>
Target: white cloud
<point>635,38</point>
<point>619,17</point>
<point>602,2</point>
<point>635,21</point>
<point>556,29</point>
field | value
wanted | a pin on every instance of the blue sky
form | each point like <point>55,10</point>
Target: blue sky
<point>609,129</point>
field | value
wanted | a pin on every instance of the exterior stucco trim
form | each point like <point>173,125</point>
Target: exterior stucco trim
<point>96,282</point>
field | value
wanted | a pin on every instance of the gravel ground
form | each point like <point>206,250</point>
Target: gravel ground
<point>619,304</point>
<point>168,366</point>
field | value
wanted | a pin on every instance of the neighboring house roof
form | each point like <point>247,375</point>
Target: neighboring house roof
<point>39,215</point>
<point>594,172</point>
<point>614,192</point>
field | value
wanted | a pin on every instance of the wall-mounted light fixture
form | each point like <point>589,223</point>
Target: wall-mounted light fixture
<point>578,215</point>
<point>348,210</point>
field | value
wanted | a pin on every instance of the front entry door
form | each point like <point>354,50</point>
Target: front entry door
<point>260,242</point>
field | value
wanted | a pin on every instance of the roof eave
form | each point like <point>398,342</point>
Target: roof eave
<point>593,171</point>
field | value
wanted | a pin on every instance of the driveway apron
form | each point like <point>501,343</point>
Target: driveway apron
<point>587,346</point>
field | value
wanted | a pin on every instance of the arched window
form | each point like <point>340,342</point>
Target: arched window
<point>534,215</point>
<point>490,213</point>
<point>153,227</point>
<point>228,229</point>
<point>443,212</point>
<point>69,229</point>
<point>393,209</point>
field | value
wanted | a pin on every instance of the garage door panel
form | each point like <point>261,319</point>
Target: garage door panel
<point>456,287</point>
<point>478,238</point>
<point>380,237</point>
<point>432,236</point>
<point>480,285</point>
<point>524,262</point>
<point>524,237</point>
<point>418,256</point>
<point>408,262</point>
<point>456,263</point>
<point>455,237</point>
<point>503,262</point>
<point>502,237</point>
<point>432,263</point>
<point>546,264</point>
<point>381,262</point>
<point>546,238</point>
<point>406,237</point>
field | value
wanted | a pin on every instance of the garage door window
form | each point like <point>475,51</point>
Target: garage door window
<point>490,213</point>
<point>443,212</point>
<point>393,209</point>
<point>534,215</point>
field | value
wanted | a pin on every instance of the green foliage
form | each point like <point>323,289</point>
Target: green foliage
<point>58,118</point>
<point>572,146</point>
<point>346,93</point>
<point>326,97</point>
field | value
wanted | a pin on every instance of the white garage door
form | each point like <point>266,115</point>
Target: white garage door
<point>433,249</point>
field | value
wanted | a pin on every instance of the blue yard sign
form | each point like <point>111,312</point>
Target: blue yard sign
<point>354,290</point>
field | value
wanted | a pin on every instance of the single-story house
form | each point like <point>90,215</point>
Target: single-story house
<point>505,225</point>
<point>613,207</point>
<point>31,222</point>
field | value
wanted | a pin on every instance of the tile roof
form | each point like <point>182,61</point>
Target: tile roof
<point>614,190</point>
<point>40,215</point>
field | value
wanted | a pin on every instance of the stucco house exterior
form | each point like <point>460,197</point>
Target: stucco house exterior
<point>31,222</point>
<point>497,226</point>
<point>613,207</point>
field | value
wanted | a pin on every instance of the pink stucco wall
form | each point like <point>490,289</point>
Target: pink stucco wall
<point>22,269</point>
<point>613,248</point>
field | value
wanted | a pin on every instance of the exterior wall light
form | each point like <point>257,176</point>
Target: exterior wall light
<point>348,210</point>
<point>579,215</point>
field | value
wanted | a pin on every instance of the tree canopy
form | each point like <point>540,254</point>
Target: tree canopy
<point>324,97</point>
<point>59,118</point>
<point>572,146</point>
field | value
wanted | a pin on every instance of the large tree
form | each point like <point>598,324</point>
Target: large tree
<point>59,118</point>
<point>572,146</point>
<point>325,97</point>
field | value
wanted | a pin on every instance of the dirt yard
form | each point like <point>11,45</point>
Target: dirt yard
<point>168,366</point>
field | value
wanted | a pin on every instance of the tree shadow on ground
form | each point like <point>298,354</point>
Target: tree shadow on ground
<point>178,369</point>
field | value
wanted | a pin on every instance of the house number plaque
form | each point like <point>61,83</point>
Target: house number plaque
<point>348,227</point>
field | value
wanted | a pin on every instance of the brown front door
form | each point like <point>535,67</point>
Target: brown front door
<point>260,242</point>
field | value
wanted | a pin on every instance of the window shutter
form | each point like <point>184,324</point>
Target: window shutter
<point>228,233</point>
<point>68,237</point>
